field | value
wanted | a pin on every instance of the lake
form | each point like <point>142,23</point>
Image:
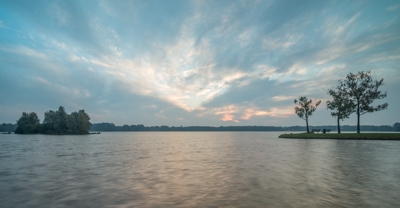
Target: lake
<point>196,169</point>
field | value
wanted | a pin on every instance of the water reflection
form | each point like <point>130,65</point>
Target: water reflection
<point>196,169</point>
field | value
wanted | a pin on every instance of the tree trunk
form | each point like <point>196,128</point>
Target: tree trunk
<point>308,131</point>
<point>338,125</point>
<point>358,116</point>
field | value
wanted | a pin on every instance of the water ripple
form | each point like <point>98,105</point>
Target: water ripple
<point>196,169</point>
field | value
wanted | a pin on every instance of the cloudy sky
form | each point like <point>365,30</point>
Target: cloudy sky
<point>175,63</point>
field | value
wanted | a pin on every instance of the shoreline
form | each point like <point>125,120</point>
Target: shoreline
<point>344,136</point>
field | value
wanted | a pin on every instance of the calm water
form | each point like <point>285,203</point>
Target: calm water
<point>196,169</point>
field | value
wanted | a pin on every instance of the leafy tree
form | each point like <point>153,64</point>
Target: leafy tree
<point>49,122</point>
<point>72,122</point>
<point>55,122</point>
<point>341,104</point>
<point>363,91</point>
<point>28,124</point>
<point>305,108</point>
<point>61,120</point>
<point>83,121</point>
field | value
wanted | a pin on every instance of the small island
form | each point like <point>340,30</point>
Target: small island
<point>354,94</point>
<point>55,122</point>
<point>344,136</point>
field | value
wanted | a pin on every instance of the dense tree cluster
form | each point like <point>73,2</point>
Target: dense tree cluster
<point>396,126</point>
<point>29,123</point>
<point>55,122</point>
<point>7,127</point>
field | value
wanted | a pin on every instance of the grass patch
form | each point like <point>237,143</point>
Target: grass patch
<point>349,136</point>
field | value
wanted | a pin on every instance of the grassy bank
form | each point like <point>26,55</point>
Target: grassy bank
<point>349,136</point>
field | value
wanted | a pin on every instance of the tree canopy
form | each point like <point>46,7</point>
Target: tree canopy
<point>362,90</point>
<point>29,123</point>
<point>341,104</point>
<point>55,122</point>
<point>305,108</point>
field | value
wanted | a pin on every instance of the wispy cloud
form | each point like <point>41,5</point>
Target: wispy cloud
<point>198,62</point>
<point>393,7</point>
<point>283,97</point>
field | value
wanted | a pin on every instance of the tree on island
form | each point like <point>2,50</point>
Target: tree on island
<point>341,104</point>
<point>29,123</point>
<point>363,91</point>
<point>78,122</point>
<point>305,108</point>
<point>55,122</point>
<point>50,121</point>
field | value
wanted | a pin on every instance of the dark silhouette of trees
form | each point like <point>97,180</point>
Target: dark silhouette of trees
<point>83,121</point>
<point>61,120</point>
<point>28,124</point>
<point>396,126</point>
<point>110,127</point>
<point>363,91</point>
<point>305,108</point>
<point>103,127</point>
<point>7,127</point>
<point>49,122</point>
<point>78,122</point>
<point>55,122</point>
<point>341,104</point>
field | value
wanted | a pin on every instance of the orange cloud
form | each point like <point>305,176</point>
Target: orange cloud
<point>274,112</point>
<point>227,113</point>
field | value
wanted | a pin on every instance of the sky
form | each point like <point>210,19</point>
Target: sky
<point>208,63</point>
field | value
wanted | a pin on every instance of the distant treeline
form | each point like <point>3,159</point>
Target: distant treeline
<point>7,127</point>
<point>140,127</point>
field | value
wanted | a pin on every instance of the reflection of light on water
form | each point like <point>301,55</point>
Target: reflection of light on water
<point>188,168</point>
<point>196,169</point>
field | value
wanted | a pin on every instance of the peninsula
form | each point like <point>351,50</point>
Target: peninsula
<point>344,136</point>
